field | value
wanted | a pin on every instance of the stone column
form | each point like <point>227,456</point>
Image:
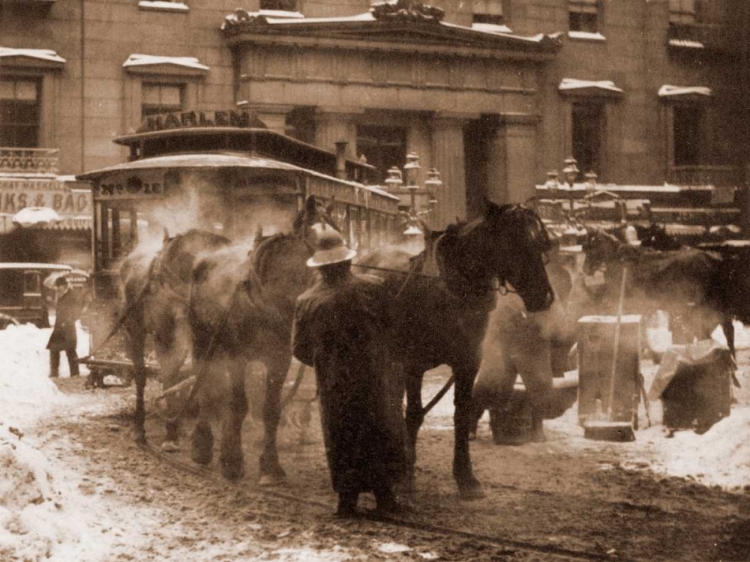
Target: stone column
<point>334,125</point>
<point>517,142</point>
<point>448,158</point>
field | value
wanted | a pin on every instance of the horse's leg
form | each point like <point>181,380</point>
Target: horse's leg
<point>468,486</point>
<point>136,341</point>
<point>171,354</point>
<point>277,366</point>
<point>727,327</point>
<point>414,418</point>
<point>208,378</point>
<point>231,457</point>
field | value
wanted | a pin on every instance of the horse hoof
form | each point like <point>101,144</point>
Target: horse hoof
<point>268,480</point>
<point>233,469</point>
<point>471,493</point>
<point>203,445</point>
<point>170,447</point>
<point>140,438</point>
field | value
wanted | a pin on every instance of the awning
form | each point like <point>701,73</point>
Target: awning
<point>81,222</point>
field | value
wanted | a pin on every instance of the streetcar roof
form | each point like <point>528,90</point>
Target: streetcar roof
<point>32,265</point>
<point>208,160</point>
<point>283,143</point>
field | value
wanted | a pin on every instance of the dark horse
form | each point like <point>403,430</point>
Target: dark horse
<point>241,310</point>
<point>156,289</point>
<point>688,283</point>
<point>442,319</point>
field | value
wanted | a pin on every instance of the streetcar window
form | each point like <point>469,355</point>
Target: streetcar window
<point>354,228</point>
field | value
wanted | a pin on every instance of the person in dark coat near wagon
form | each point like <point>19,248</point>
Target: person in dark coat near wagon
<point>339,329</point>
<point>63,336</point>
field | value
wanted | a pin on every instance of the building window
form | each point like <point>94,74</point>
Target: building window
<point>683,11</point>
<point>19,112</point>
<point>160,98</point>
<point>488,11</point>
<point>687,132</point>
<point>382,146</point>
<point>587,128</point>
<point>279,5</point>
<point>584,15</point>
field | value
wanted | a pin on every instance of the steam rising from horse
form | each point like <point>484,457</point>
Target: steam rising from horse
<point>156,291</point>
<point>443,320</point>
<point>241,310</point>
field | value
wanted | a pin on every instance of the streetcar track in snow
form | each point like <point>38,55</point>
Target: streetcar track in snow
<point>550,550</point>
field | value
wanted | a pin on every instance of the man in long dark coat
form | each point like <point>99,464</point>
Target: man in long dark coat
<point>339,329</point>
<point>63,336</point>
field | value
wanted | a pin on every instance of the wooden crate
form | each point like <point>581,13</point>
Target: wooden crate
<point>596,339</point>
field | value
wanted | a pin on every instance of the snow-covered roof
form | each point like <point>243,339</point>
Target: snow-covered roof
<point>667,91</point>
<point>41,54</point>
<point>151,60</point>
<point>569,84</point>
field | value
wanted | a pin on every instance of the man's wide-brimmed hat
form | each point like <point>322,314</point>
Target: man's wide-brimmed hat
<point>330,249</point>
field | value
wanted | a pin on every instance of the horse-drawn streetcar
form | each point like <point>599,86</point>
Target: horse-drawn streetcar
<point>222,172</point>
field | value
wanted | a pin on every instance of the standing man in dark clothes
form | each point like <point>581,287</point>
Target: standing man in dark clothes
<point>340,329</point>
<point>63,336</point>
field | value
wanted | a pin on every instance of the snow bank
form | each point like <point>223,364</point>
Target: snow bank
<point>26,390</point>
<point>27,502</point>
<point>719,457</point>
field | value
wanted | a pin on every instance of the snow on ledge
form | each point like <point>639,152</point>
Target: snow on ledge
<point>41,54</point>
<point>687,43</point>
<point>491,28</point>
<point>150,60</point>
<point>668,91</point>
<point>568,84</point>
<point>586,35</point>
<point>163,6</point>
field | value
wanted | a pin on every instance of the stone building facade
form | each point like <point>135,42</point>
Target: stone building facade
<point>494,93</point>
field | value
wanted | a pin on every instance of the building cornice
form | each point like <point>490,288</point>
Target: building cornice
<point>395,35</point>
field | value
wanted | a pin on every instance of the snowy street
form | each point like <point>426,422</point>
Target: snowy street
<point>75,487</point>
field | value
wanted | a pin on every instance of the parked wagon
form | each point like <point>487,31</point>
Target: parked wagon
<point>225,172</point>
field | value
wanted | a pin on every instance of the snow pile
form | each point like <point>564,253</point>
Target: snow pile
<point>25,387</point>
<point>719,457</point>
<point>31,516</point>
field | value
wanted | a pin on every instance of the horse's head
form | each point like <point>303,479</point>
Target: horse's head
<point>600,248</point>
<point>508,244</point>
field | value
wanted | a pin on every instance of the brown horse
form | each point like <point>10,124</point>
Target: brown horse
<point>442,319</point>
<point>156,289</point>
<point>241,310</point>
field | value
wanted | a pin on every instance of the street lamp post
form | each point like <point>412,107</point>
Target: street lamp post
<point>427,192</point>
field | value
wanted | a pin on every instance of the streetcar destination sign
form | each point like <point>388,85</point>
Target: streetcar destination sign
<point>193,119</point>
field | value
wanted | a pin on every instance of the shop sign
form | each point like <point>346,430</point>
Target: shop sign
<point>17,194</point>
<point>193,119</point>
